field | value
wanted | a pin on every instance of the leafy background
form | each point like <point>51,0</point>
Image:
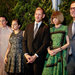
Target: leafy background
<point>24,10</point>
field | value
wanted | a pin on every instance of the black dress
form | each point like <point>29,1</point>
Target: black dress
<point>15,62</point>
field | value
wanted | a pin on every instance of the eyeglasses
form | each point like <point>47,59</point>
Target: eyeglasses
<point>72,8</point>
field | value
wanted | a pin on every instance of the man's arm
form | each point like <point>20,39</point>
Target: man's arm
<point>25,49</point>
<point>46,42</point>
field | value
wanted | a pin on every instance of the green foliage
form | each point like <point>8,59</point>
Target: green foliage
<point>25,9</point>
<point>6,7</point>
<point>65,8</point>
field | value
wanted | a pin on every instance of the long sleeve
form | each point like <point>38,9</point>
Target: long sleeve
<point>46,42</point>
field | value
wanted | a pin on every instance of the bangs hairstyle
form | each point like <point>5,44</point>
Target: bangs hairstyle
<point>58,15</point>
<point>39,8</point>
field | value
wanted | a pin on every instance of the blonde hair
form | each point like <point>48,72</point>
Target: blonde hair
<point>72,3</point>
<point>58,15</point>
<point>39,8</point>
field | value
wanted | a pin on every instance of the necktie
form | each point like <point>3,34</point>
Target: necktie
<point>36,29</point>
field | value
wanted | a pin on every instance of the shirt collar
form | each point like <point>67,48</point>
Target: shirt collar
<point>38,23</point>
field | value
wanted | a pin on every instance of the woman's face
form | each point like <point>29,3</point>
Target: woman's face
<point>55,21</point>
<point>15,25</point>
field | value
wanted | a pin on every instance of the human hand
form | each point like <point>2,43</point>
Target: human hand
<point>5,59</point>
<point>28,57</point>
<point>33,58</point>
<point>51,52</point>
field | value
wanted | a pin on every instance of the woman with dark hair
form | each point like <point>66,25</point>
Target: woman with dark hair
<point>14,61</point>
<point>55,63</point>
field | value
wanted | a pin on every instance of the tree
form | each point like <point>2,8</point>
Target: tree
<point>24,10</point>
<point>6,7</point>
<point>65,7</point>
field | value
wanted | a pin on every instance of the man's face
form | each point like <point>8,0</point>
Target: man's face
<point>72,10</point>
<point>3,21</point>
<point>39,15</point>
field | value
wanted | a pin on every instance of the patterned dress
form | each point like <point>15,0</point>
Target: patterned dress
<point>56,65</point>
<point>15,57</point>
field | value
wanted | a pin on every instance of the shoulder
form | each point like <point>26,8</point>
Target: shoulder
<point>9,29</point>
<point>23,33</point>
<point>45,26</point>
<point>29,26</point>
<point>51,29</point>
<point>64,26</point>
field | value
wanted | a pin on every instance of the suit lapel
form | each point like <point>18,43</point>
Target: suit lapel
<point>32,31</point>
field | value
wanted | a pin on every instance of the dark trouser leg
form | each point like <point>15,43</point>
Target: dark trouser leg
<point>29,69</point>
<point>71,67</point>
<point>37,69</point>
<point>15,73</point>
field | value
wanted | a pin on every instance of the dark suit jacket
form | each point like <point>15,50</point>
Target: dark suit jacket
<point>70,31</point>
<point>38,44</point>
<point>72,41</point>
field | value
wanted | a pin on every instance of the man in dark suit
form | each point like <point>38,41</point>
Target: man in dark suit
<point>35,43</point>
<point>71,49</point>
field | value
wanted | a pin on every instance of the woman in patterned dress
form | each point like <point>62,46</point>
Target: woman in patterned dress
<point>14,61</point>
<point>55,63</point>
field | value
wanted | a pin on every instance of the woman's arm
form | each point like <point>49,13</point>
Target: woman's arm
<point>23,33</point>
<point>65,45</point>
<point>8,49</point>
<point>55,51</point>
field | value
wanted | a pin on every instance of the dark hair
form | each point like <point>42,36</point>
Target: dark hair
<point>4,17</point>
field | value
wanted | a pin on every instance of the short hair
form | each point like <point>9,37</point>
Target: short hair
<point>39,8</point>
<point>58,15</point>
<point>3,17</point>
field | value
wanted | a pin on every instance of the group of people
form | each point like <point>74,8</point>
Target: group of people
<point>39,50</point>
